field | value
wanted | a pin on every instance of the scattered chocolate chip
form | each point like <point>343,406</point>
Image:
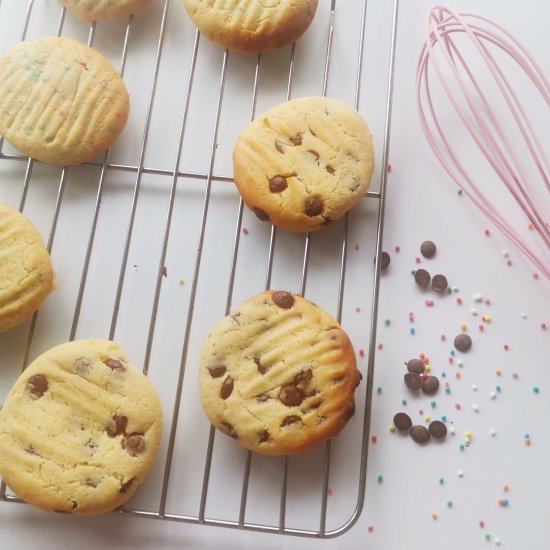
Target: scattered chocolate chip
<point>304,376</point>
<point>428,249</point>
<point>296,140</point>
<point>264,436</point>
<point>439,283</point>
<point>133,443</point>
<point>277,184</point>
<point>313,206</point>
<point>227,387</point>
<point>420,434</point>
<point>330,169</point>
<point>114,364</point>
<point>37,385</point>
<point>290,420</point>
<point>315,154</point>
<point>402,421</point>
<point>385,260</point>
<point>430,384</point>
<point>416,365</point>
<point>437,429</point>
<point>117,425</point>
<point>422,277</point>
<point>262,398</point>
<point>463,342</point>
<point>291,396</point>
<point>217,371</point>
<point>125,486</point>
<point>262,369</point>
<point>75,504</point>
<point>260,214</point>
<point>283,299</point>
<point>229,430</point>
<point>413,381</point>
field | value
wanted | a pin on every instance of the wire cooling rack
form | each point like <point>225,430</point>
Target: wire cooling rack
<point>151,246</point>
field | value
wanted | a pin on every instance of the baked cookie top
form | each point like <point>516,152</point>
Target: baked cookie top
<point>61,102</point>
<point>249,26</point>
<point>304,163</point>
<point>90,10</point>
<point>26,274</point>
<point>79,429</point>
<point>278,375</point>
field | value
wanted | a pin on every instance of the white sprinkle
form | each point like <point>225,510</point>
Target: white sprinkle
<point>524,315</point>
<point>493,394</point>
<point>475,407</point>
<point>474,387</point>
<point>493,432</point>
<point>460,473</point>
<point>497,542</point>
<point>477,297</point>
<point>455,289</point>
<point>459,362</point>
<point>505,253</point>
<point>473,311</point>
<point>452,430</point>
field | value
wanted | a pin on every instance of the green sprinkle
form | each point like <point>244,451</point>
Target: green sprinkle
<point>387,321</point>
<point>379,389</point>
<point>433,403</point>
<point>487,536</point>
<point>447,389</point>
<point>459,192</point>
<point>441,480</point>
<point>450,503</point>
<point>403,401</point>
<point>449,290</point>
<point>413,271</point>
<point>380,478</point>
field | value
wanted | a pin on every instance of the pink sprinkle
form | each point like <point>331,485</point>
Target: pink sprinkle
<point>508,262</point>
<point>443,338</point>
<point>421,411</point>
<point>373,438</point>
<point>370,528</point>
<point>422,356</point>
<point>488,302</point>
<point>245,230</point>
<point>389,167</point>
<point>506,347</point>
<point>480,326</point>
<point>515,374</point>
<point>458,300</point>
<point>424,375</point>
<point>481,523</point>
<point>457,406</point>
<point>451,359</point>
<point>535,275</point>
<point>426,359</point>
<point>487,232</point>
<point>380,345</point>
<point>543,326</point>
<point>446,384</point>
<point>329,491</point>
<point>356,246</point>
<point>429,302</point>
<point>397,248</point>
<point>362,352</point>
<point>417,259</point>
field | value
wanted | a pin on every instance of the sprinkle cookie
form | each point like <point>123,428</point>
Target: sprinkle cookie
<point>249,26</point>
<point>90,10</point>
<point>61,102</point>
<point>304,163</point>
<point>79,429</point>
<point>278,375</point>
<point>26,275</point>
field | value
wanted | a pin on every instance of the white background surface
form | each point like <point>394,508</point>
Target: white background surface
<point>422,204</point>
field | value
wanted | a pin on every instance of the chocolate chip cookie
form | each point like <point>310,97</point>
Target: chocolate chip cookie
<point>79,429</point>
<point>304,163</point>
<point>90,10</point>
<point>26,275</point>
<point>278,375</point>
<point>252,27</point>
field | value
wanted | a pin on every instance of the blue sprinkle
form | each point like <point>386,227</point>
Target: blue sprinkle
<point>504,502</point>
<point>526,436</point>
<point>452,352</point>
<point>461,446</point>
<point>412,330</point>
<point>443,374</point>
<point>498,388</point>
<point>444,418</point>
<point>536,389</point>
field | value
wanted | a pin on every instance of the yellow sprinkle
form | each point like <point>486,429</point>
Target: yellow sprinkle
<point>427,368</point>
<point>468,434</point>
<point>427,417</point>
<point>463,326</point>
<point>392,428</point>
<point>181,280</point>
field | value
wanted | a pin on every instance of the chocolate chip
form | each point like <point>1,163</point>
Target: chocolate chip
<point>217,371</point>
<point>262,398</point>
<point>420,434</point>
<point>315,154</point>
<point>416,365</point>
<point>114,364</point>
<point>264,436</point>
<point>117,425</point>
<point>262,369</point>
<point>385,260</point>
<point>422,277</point>
<point>402,421</point>
<point>133,443</point>
<point>125,486</point>
<point>296,140</point>
<point>437,429</point>
<point>463,342</point>
<point>304,376</point>
<point>439,283</point>
<point>260,214</point>
<point>291,396</point>
<point>277,184</point>
<point>428,249</point>
<point>283,299</point>
<point>330,169</point>
<point>229,430</point>
<point>413,381</point>
<point>430,384</point>
<point>37,385</point>
<point>290,420</point>
<point>313,206</point>
<point>227,388</point>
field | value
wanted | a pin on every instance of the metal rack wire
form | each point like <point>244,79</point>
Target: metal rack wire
<point>176,174</point>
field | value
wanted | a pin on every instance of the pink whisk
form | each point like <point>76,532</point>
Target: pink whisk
<point>484,123</point>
